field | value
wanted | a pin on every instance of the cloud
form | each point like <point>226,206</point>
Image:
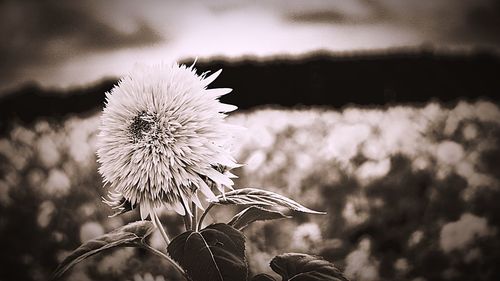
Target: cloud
<point>330,12</point>
<point>78,42</point>
<point>481,23</point>
<point>448,21</point>
<point>48,32</point>
<point>323,17</point>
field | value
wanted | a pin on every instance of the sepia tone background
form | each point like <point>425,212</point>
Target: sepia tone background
<point>383,113</point>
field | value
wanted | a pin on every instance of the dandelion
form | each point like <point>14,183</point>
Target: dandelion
<point>163,139</point>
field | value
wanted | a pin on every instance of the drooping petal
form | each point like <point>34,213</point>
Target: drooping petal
<point>178,208</point>
<point>197,201</point>
<point>206,190</point>
<point>145,209</point>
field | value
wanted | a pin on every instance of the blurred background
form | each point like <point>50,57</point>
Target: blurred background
<point>384,113</point>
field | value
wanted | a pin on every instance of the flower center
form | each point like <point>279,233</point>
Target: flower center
<point>151,130</point>
<point>142,125</point>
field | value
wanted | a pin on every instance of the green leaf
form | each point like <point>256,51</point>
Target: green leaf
<point>131,235</point>
<point>254,196</point>
<point>252,214</point>
<point>216,253</point>
<point>303,267</point>
<point>263,277</point>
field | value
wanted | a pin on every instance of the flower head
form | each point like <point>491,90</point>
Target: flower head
<point>163,138</point>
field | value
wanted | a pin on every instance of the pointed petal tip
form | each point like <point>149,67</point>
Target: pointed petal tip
<point>197,201</point>
<point>144,210</point>
<point>178,208</point>
<point>186,205</point>
<point>224,107</point>
<point>212,77</point>
<point>206,191</point>
<point>193,64</point>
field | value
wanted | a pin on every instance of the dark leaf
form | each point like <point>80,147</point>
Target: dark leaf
<point>252,214</point>
<point>302,267</point>
<point>216,253</point>
<point>130,235</point>
<point>263,277</point>
<point>254,196</point>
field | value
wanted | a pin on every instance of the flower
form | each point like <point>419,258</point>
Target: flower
<point>163,138</point>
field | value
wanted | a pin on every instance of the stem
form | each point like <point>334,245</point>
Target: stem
<point>204,215</point>
<point>169,259</point>
<point>195,216</point>
<point>187,221</point>
<point>160,227</point>
<point>187,217</point>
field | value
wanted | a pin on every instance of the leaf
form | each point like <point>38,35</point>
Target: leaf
<point>130,235</point>
<point>216,253</point>
<point>303,267</point>
<point>252,214</point>
<point>263,277</point>
<point>254,196</point>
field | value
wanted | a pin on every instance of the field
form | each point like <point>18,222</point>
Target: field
<point>411,192</point>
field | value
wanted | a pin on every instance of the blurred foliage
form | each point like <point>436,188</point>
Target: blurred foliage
<point>411,193</point>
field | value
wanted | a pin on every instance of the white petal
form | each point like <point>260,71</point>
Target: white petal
<point>212,77</point>
<point>145,209</point>
<point>186,205</point>
<point>231,175</point>
<point>223,107</point>
<point>218,92</point>
<point>178,208</point>
<point>217,177</point>
<point>197,201</point>
<point>202,185</point>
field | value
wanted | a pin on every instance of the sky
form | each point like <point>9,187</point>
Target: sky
<point>73,43</point>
